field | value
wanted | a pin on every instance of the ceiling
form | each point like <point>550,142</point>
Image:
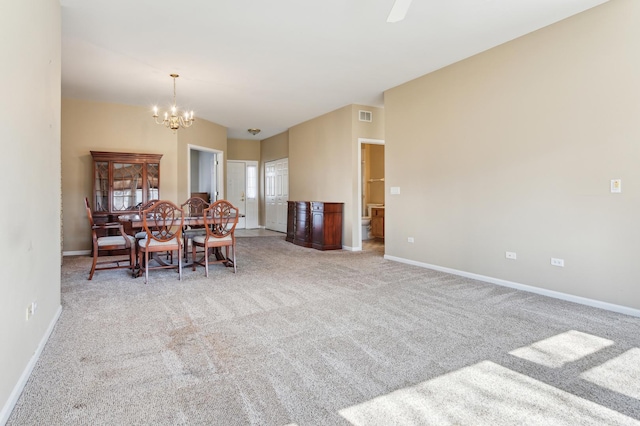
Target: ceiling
<point>274,64</point>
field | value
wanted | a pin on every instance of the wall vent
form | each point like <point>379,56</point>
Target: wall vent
<point>365,115</point>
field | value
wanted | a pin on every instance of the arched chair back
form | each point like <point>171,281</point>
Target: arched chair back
<point>111,237</point>
<point>162,223</point>
<point>142,207</point>
<point>193,208</point>
<point>220,220</point>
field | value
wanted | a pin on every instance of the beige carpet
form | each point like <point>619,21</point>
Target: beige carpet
<point>304,337</point>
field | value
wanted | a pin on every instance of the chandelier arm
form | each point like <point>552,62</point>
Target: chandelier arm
<point>174,119</point>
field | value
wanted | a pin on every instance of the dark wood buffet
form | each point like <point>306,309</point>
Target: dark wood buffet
<point>315,224</point>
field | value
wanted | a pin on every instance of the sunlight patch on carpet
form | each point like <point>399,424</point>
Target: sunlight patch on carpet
<point>482,394</point>
<point>561,349</point>
<point>620,374</point>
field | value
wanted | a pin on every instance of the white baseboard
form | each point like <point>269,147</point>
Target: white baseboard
<point>531,289</point>
<point>17,389</point>
<point>349,248</point>
<point>76,253</point>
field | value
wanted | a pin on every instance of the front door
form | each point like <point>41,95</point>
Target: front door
<point>242,191</point>
<point>236,188</point>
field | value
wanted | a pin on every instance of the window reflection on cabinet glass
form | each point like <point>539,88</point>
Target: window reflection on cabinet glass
<point>123,181</point>
<point>102,186</point>
<point>127,186</point>
<point>153,173</point>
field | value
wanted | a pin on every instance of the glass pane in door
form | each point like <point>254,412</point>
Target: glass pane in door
<point>102,187</point>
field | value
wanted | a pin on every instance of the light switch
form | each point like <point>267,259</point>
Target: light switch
<point>616,185</point>
<point>395,190</point>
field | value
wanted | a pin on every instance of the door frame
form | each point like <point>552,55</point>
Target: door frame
<point>363,141</point>
<point>256,219</point>
<point>220,180</point>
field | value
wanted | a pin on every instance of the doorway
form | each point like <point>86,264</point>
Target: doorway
<point>371,186</point>
<point>242,191</point>
<point>205,172</point>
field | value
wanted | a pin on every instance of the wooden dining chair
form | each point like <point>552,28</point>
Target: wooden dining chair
<point>140,235</point>
<point>105,241</point>
<point>220,220</point>
<point>162,223</point>
<point>193,207</point>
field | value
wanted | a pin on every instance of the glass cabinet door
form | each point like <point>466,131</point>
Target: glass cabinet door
<point>123,181</point>
<point>153,181</point>
<point>127,186</point>
<point>101,190</point>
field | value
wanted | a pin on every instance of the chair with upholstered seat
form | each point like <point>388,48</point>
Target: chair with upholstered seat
<point>140,235</point>
<point>142,207</point>
<point>193,208</point>
<point>220,220</point>
<point>162,223</point>
<point>105,241</point>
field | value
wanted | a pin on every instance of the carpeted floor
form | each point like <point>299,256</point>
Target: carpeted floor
<point>304,337</point>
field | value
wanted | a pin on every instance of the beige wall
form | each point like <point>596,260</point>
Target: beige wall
<point>243,149</point>
<point>273,148</point>
<point>97,126</point>
<point>30,187</point>
<point>323,161</point>
<point>514,150</point>
<point>320,162</point>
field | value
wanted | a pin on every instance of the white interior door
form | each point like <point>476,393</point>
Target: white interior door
<point>270,195</point>
<point>276,194</point>
<point>282,194</point>
<point>236,188</point>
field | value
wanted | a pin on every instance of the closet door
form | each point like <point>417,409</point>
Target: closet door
<point>270,195</point>
<point>276,194</point>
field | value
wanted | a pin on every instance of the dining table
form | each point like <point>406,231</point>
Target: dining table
<point>133,223</point>
<point>136,221</point>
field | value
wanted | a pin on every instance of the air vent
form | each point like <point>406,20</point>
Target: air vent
<point>365,116</point>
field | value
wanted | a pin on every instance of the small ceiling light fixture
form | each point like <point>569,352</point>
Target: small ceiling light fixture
<point>253,131</point>
<point>175,119</point>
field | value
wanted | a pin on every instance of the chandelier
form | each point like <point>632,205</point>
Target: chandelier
<point>174,119</point>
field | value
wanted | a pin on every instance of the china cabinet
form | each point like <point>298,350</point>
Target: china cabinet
<point>122,182</point>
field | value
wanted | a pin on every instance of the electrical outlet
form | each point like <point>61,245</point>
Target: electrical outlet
<point>557,262</point>
<point>510,255</point>
<point>410,240</point>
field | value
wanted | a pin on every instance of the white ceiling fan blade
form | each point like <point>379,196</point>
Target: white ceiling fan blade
<point>399,10</point>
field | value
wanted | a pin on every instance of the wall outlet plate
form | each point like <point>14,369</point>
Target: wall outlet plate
<point>557,262</point>
<point>616,186</point>
<point>510,255</point>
